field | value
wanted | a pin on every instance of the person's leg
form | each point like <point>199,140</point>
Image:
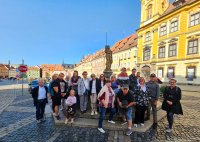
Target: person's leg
<point>129,117</point>
<point>143,109</point>
<point>37,111</point>
<point>53,104</point>
<point>154,109</point>
<point>92,103</point>
<point>85,102</point>
<point>95,103</point>
<point>81,103</point>
<point>136,115</point>
<point>43,104</point>
<point>101,117</point>
<point>112,113</point>
<point>170,118</point>
<point>148,110</point>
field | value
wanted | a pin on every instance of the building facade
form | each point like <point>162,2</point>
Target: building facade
<point>125,54</point>
<point>168,40</point>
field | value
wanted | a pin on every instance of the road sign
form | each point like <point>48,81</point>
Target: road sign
<point>22,68</point>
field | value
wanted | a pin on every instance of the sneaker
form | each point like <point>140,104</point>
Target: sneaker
<point>101,130</point>
<point>169,130</point>
<point>54,114</point>
<point>142,124</point>
<point>66,121</point>
<point>129,132</point>
<point>167,127</point>
<point>110,121</point>
<point>92,113</point>
<point>135,125</point>
<point>38,121</point>
<point>95,112</point>
<point>58,117</point>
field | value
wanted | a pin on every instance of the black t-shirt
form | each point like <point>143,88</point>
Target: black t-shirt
<point>128,97</point>
<point>62,87</point>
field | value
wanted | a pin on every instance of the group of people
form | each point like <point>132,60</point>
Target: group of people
<point>129,96</point>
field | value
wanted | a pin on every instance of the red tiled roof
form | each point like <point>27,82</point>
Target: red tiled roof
<point>52,67</point>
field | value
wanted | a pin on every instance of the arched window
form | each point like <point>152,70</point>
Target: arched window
<point>149,12</point>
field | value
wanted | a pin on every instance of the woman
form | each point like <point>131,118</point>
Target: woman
<point>142,101</point>
<point>171,103</point>
<point>106,99</point>
<point>94,90</point>
<point>51,93</point>
<point>102,80</point>
<point>83,91</point>
<point>74,85</point>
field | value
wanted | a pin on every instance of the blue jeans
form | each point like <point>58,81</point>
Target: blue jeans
<point>103,113</point>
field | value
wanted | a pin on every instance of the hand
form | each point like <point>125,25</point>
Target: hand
<point>49,95</point>
<point>169,102</point>
<point>127,107</point>
<point>120,104</point>
<point>155,102</point>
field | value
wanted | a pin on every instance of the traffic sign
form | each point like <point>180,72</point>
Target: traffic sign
<point>22,68</point>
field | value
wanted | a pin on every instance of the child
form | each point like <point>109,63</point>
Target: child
<point>71,104</point>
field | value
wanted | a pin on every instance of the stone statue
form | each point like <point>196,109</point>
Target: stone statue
<point>109,59</point>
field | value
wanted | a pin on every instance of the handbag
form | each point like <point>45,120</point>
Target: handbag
<point>86,90</point>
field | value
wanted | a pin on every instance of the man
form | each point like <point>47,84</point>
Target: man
<point>123,77</point>
<point>59,88</point>
<point>133,80</point>
<point>154,95</point>
<point>83,91</point>
<point>40,99</point>
<point>125,99</point>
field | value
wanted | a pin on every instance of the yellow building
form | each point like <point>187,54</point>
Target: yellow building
<point>125,54</point>
<point>169,40</point>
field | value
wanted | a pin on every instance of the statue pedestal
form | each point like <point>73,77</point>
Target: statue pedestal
<point>107,74</point>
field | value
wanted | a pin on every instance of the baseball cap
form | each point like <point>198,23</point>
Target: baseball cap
<point>125,86</point>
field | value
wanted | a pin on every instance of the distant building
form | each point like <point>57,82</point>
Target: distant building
<point>4,71</point>
<point>69,68</point>
<point>49,69</point>
<point>33,72</point>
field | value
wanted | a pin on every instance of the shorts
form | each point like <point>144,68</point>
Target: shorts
<point>128,112</point>
<point>56,101</point>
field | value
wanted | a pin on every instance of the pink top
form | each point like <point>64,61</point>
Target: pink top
<point>71,100</point>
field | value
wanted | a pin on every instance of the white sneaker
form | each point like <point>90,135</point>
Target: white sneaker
<point>38,121</point>
<point>169,130</point>
<point>111,122</point>
<point>92,113</point>
<point>142,124</point>
<point>135,125</point>
<point>101,130</point>
<point>95,112</point>
<point>66,121</point>
<point>54,114</point>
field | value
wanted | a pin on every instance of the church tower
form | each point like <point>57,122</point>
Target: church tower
<point>152,10</point>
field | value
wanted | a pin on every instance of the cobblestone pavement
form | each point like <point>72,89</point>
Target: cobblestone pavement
<point>17,124</point>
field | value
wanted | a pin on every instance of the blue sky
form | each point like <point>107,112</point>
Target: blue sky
<point>50,31</point>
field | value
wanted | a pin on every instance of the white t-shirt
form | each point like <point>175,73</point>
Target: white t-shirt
<point>94,87</point>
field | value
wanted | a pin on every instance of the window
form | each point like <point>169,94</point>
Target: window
<point>195,19</point>
<point>172,50</point>
<point>124,56</point>
<point>129,55</point>
<point>148,36</point>
<point>191,73</point>
<point>163,30</point>
<point>146,55</point>
<point>193,46</point>
<point>174,26</point>
<point>171,72</point>
<point>149,12</point>
<point>135,54</point>
<point>128,65</point>
<point>160,73</point>
<point>161,52</point>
